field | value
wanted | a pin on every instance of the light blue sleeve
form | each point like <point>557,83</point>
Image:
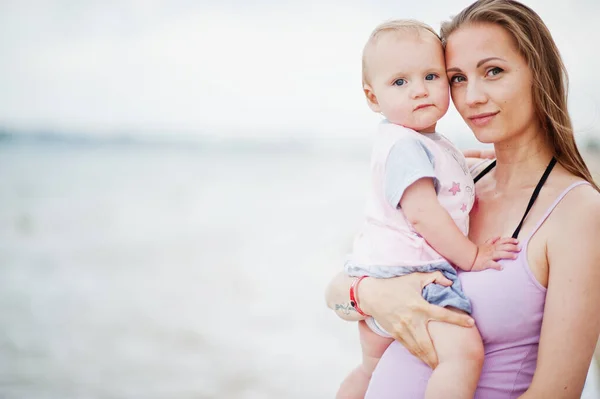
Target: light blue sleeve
<point>408,161</point>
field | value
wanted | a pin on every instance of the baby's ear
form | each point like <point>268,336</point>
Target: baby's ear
<point>371,98</point>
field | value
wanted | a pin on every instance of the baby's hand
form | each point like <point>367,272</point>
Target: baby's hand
<point>495,249</point>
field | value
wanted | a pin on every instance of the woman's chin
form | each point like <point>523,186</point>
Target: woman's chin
<point>486,141</point>
<point>488,137</point>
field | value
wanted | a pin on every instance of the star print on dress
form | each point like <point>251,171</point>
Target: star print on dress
<point>463,207</point>
<point>455,188</point>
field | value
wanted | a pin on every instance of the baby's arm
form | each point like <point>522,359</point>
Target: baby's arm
<point>423,210</point>
<point>409,183</point>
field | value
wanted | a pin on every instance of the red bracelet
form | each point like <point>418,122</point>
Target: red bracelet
<point>354,296</point>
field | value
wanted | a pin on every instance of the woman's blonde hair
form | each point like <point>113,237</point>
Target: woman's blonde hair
<point>550,80</point>
<point>392,26</point>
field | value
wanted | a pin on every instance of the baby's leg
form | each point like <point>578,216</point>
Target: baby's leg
<point>460,354</point>
<point>356,383</point>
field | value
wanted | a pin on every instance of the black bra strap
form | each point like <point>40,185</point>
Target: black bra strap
<point>484,172</point>
<point>535,194</point>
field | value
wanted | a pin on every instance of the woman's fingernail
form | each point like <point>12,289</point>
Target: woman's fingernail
<point>471,322</point>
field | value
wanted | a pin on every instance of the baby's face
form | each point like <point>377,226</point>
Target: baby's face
<point>407,75</point>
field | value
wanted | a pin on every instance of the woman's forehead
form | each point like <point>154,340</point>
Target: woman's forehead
<point>472,43</point>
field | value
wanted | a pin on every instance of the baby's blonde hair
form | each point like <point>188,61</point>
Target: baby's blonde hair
<point>392,26</point>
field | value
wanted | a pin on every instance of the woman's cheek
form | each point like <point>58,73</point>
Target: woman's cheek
<point>456,95</point>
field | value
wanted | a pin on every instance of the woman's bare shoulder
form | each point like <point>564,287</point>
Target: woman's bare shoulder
<point>579,208</point>
<point>582,193</point>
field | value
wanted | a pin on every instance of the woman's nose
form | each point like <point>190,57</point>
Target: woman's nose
<point>474,95</point>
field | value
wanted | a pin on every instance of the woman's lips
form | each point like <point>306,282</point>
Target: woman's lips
<point>483,119</point>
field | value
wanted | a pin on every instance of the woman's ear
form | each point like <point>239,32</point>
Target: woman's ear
<point>371,98</point>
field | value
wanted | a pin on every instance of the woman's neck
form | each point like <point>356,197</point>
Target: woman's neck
<point>521,162</point>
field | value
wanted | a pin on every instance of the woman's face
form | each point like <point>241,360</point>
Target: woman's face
<point>490,83</point>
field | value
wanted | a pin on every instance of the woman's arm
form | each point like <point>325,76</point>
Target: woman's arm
<point>571,322</point>
<point>397,304</point>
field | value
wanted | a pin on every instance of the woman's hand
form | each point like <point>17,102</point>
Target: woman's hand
<point>397,304</point>
<point>481,154</point>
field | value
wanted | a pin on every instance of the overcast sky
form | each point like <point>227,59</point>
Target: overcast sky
<point>229,68</point>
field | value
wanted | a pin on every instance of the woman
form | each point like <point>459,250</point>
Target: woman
<point>508,83</point>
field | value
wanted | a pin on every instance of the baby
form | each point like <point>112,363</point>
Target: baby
<point>417,212</point>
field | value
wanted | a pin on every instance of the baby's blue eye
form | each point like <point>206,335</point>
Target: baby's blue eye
<point>399,82</point>
<point>431,76</point>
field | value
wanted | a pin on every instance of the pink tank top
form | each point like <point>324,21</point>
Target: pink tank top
<point>508,306</point>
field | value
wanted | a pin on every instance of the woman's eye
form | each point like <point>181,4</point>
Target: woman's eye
<point>494,71</point>
<point>457,79</point>
<point>399,82</point>
<point>431,76</point>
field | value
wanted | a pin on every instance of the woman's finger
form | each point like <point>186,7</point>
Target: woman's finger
<point>428,353</point>
<point>438,313</point>
<point>408,341</point>
<point>470,153</point>
<point>483,154</point>
<point>400,338</point>
<point>435,277</point>
<point>488,154</point>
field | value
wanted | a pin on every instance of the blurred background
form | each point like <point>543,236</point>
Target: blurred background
<point>180,179</point>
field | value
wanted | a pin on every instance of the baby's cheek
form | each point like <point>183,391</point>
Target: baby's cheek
<point>400,116</point>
